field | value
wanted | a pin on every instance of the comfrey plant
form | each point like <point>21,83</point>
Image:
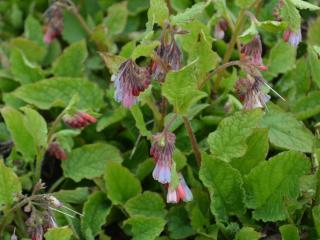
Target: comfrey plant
<point>203,123</point>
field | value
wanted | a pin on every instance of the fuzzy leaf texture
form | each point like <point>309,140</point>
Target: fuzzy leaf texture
<point>282,173</point>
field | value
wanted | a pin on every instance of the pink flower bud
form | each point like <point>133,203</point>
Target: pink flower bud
<point>79,120</point>
<point>55,150</point>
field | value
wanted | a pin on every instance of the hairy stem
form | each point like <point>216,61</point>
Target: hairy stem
<point>193,140</point>
<point>231,45</point>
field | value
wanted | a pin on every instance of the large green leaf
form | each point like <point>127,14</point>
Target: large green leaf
<point>30,49</point>
<point>22,138</point>
<point>247,233</point>
<point>61,233</point>
<point>273,183</point>
<point>57,92</point>
<point>76,196</point>
<point>158,12</point>
<point>145,228</point>
<point>23,70</point>
<point>225,187</point>
<point>9,185</point>
<point>304,5</point>
<point>286,132</point>
<point>314,65</point>
<point>36,125</point>
<point>229,140</point>
<point>289,232</point>
<point>148,204</point>
<point>189,14</point>
<point>89,161</point>
<point>290,14</point>
<point>120,183</point>
<point>70,63</point>
<point>95,211</point>
<point>180,88</point>
<point>307,106</point>
<point>257,151</point>
<point>140,123</point>
<point>117,18</point>
<point>33,30</point>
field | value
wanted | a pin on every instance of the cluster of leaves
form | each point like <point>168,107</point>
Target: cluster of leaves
<point>258,175</point>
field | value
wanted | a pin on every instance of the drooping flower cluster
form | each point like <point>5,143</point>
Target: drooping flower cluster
<point>292,37</point>
<point>252,52</point>
<point>250,93</point>
<point>168,58</point>
<point>130,81</point>
<point>220,29</point>
<point>53,22</point>
<point>162,151</point>
<point>79,120</point>
<point>55,150</point>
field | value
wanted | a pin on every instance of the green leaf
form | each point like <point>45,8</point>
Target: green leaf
<point>111,117</point>
<point>247,233</point>
<point>21,136</point>
<point>30,49</point>
<point>189,14</point>
<point>314,32</point>
<point>9,185</point>
<point>282,59</point>
<point>273,183</point>
<point>95,212</point>
<point>121,184</point>
<point>89,161</point>
<point>148,204</point>
<point>117,18</point>
<point>272,26</point>
<point>76,196</point>
<point>225,187</point>
<point>307,106</point>
<point>145,228</point>
<point>201,50</point>
<point>304,5</point>
<point>244,3</point>
<point>33,30</point>
<point>36,125</point>
<point>145,50</point>
<point>179,224</point>
<point>229,140</point>
<point>60,233</point>
<point>23,70</point>
<point>257,151</point>
<point>289,232</point>
<point>140,123</point>
<point>70,62</point>
<point>249,34</point>
<point>314,65</point>
<point>57,92</point>
<point>286,132</point>
<point>72,29</point>
<point>316,218</point>
<point>158,12</point>
<point>291,15</point>
<point>112,62</point>
<point>180,88</point>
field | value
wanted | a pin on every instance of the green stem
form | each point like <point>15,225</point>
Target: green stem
<point>39,157</point>
<point>231,45</point>
<point>56,184</point>
<point>193,140</point>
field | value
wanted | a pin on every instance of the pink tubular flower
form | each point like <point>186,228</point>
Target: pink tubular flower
<point>129,82</point>
<point>37,233</point>
<point>253,51</point>
<point>293,38</point>
<point>79,120</point>
<point>169,58</point>
<point>55,150</point>
<point>162,151</point>
<point>53,22</point>
<point>220,29</point>
<point>250,93</point>
<point>182,192</point>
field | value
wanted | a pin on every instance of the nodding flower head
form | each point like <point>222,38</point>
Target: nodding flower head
<point>250,92</point>
<point>252,51</point>
<point>292,37</point>
<point>55,150</point>
<point>162,151</point>
<point>181,193</point>
<point>169,58</point>
<point>53,23</point>
<point>79,120</point>
<point>129,82</point>
<point>220,29</point>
